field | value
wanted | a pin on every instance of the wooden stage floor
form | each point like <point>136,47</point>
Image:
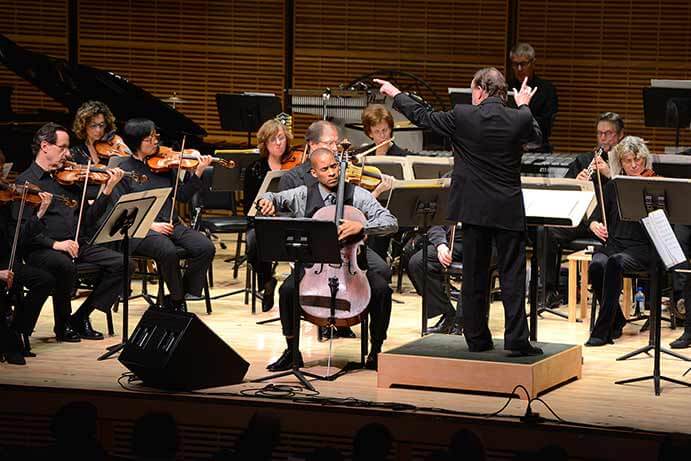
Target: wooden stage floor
<point>593,400</point>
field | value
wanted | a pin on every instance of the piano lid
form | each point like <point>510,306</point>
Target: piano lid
<point>73,85</point>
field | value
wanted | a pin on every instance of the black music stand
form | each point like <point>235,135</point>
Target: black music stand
<point>300,241</point>
<point>246,111</point>
<point>131,216</point>
<point>667,107</point>
<point>421,206</point>
<point>636,198</point>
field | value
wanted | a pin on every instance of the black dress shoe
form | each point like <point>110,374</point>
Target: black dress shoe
<point>372,361</point>
<point>596,342</point>
<point>481,348</point>
<point>324,334</point>
<point>68,335</point>
<point>13,358</point>
<point>553,299</point>
<point>26,346</point>
<point>444,326</point>
<point>457,329</point>
<point>285,361</point>
<point>345,332</point>
<point>268,295</point>
<point>681,342</point>
<point>526,351</point>
<point>84,329</point>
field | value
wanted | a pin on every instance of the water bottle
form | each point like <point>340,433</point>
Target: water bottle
<point>640,300</point>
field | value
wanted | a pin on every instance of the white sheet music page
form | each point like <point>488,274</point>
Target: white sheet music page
<point>557,207</point>
<point>658,227</point>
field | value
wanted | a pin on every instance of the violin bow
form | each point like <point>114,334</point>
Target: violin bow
<point>177,180</point>
<point>81,205</point>
<point>17,227</point>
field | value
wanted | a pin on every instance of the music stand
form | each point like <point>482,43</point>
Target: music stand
<point>667,107</point>
<point>131,217</point>
<point>300,241</point>
<point>636,198</point>
<point>246,111</point>
<point>421,204</point>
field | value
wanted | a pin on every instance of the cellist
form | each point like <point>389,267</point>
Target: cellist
<point>304,201</point>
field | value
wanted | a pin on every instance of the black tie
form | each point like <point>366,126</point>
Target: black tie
<point>330,199</point>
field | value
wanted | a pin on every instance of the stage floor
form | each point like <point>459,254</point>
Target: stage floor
<point>594,399</point>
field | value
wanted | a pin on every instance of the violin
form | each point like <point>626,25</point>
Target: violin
<point>365,176</point>
<point>29,194</point>
<point>113,147</point>
<point>648,172</point>
<point>296,156</point>
<point>166,159</point>
<point>72,173</point>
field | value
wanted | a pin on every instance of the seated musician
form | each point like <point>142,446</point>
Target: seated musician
<point>439,256</point>
<point>683,280</point>
<point>92,123</point>
<point>610,130</point>
<point>56,251</point>
<point>378,125</point>
<point>273,142</point>
<point>167,232</point>
<point>304,201</point>
<point>626,246</point>
<point>14,337</point>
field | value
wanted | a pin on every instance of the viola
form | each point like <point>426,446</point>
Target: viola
<point>296,156</point>
<point>29,194</point>
<point>166,159</point>
<point>73,173</point>
<point>113,147</point>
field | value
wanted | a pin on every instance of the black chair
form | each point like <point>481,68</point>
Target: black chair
<point>454,273</point>
<point>88,275</point>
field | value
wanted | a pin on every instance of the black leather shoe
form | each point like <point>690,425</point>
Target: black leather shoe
<point>68,335</point>
<point>444,326</point>
<point>553,299</point>
<point>457,329</point>
<point>481,348</point>
<point>285,361</point>
<point>13,358</point>
<point>596,342</point>
<point>84,329</point>
<point>345,332</point>
<point>526,351</point>
<point>26,346</point>
<point>268,295</point>
<point>682,342</point>
<point>372,361</point>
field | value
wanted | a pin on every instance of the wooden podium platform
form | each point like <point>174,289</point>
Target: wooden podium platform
<point>444,362</point>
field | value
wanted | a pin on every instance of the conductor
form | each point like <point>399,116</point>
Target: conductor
<point>487,139</point>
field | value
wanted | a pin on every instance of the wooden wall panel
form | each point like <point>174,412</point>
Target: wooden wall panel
<point>40,26</point>
<point>194,48</point>
<point>442,42</point>
<point>600,55</point>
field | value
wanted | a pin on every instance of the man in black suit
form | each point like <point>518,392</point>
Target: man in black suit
<point>487,138</point>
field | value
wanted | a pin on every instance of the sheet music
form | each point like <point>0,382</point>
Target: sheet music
<point>6,168</point>
<point>557,207</point>
<point>660,231</point>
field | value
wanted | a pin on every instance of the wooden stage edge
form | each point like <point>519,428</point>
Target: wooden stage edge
<point>602,420</point>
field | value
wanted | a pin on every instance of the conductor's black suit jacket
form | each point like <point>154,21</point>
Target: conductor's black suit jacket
<point>486,140</point>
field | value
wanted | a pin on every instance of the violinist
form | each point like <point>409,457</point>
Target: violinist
<point>304,201</point>
<point>610,130</point>
<point>273,141</point>
<point>167,232</point>
<point>626,246</point>
<point>58,249</point>
<point>14,340</point>
<point>93,121</point>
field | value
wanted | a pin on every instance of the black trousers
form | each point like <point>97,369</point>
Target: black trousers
<point>606,274</point>
<point>438,301</point>
<point>163,249</point>
<point>39,284</point>
<point>264,270</point>
<point>64,270</point>
<point>477,252</point>
<point>379,306</point>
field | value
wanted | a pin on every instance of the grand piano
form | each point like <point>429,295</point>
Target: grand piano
<point>71,86</point>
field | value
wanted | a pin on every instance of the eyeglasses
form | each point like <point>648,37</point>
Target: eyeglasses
<point>153,139</point>
<point>278,139</point>
<point>60,148</point>
<point>94,126</point>
<point>606,133</point>
<point>521,64</point>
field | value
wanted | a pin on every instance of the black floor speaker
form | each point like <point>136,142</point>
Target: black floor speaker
<point>179,352</point>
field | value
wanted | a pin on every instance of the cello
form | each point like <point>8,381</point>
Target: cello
<point>337,295</point>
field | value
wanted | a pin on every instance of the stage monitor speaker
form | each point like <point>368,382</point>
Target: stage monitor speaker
<point>179,352</point>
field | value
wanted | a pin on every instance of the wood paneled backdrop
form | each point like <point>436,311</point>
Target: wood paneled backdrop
<point>600,54</point>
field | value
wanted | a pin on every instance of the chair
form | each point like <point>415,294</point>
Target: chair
<point>88,275</point>
<point>455,273</point>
